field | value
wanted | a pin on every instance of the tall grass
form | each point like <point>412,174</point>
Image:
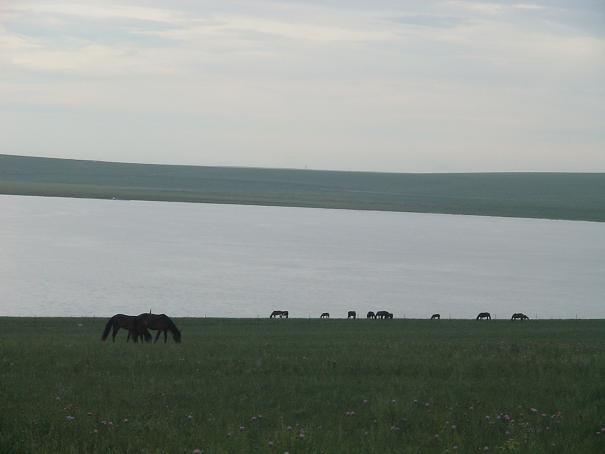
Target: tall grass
<point>333,386</point>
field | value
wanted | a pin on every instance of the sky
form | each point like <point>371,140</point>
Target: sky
<point>379,85</point>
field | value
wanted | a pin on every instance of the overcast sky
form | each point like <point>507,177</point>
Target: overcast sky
<point>404,86</point>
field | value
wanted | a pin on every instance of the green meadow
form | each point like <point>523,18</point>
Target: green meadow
<point>304,386</point>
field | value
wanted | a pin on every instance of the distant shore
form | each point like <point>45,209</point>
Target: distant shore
<point>568,196</point>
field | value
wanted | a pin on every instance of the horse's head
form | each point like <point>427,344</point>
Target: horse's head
<point>176,334</point>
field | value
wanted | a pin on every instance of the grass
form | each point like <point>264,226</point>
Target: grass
<point>304,386</point>
<point>574,196</point>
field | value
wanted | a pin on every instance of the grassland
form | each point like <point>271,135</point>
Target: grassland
<point>304,386</point>
<point>574,196</point>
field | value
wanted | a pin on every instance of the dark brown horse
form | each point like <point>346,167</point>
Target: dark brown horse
<point>436,317</point>
<point>160,323</point>
<point>352,314</point>
<point>371,314</point>
<point>519,316</point>
<point>128,322</point>
<point>325,315</point>
<point>484,316</point>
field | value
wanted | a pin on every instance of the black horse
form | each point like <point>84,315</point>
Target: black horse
<point>384,315</point>
<point>371,314</point>
<point>325,315</point>
<point>519,316</point>
<point>128,322</point>
<point>352,314</point>
<point>436,317</point>
<point>160,323</point>
<point>484,316</point>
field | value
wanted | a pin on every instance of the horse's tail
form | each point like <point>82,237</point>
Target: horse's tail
<point>107,328</point>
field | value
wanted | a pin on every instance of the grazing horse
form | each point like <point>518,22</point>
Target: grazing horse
<point>371,314</point>
<point>128,322</point>
<point>352,314</point>
<point>383,315</point>
<point>484,316</point>
<point>160,323</point>
<point>325,315</point>
<point>275,314</point>
<point>519,316</point>
<point>436,317</point>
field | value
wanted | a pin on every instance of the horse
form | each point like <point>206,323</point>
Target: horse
<point>519,316</point>
<point>383,314</point>
<point>436,317</point>
<point>284,314</point>
<point>160,323</point>
<point>352,314</point>
<point>325,315</point>
<point>275,314</point>
<point>128,322</point>
<point>370,315</point>
<point>484,316</point>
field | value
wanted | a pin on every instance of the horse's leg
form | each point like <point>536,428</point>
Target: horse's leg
<point>157,336</point>
<point>113,334</point>
<point>165,335</point>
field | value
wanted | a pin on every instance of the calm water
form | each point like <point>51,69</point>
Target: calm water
<point>93,257</point>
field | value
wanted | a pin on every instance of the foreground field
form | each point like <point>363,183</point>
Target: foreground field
<point>332,386</point>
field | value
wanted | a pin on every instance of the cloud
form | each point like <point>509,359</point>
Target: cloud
<point>259,80</point>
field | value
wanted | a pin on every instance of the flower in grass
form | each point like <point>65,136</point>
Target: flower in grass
<point>365,401</point>
<point>603,429</point>
<point>301,435</point>
<point>486,448</point>
<point>242,428</point>
<point>454,426</point>
<point>533,410</point>
<point>289,428</point>
<point>253,419</point>
<point>228,434</point>
<point>270,443</point>
<point>506,418</point>
<point>196,451</point>
<point>70,418</point>
<point>395,428</point>
<point>189,417</point>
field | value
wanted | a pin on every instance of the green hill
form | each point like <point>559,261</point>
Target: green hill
<point>574,196</point>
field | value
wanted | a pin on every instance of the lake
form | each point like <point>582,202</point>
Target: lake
<point>83,257</point>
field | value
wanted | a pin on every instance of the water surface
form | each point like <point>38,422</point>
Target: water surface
<point>82,257</point>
